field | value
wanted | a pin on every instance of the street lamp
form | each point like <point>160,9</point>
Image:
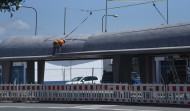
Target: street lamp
<point>103,19</point>
<point>36,16</point>
<point>106,16</point>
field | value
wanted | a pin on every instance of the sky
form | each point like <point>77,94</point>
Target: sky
<point>51,16</point>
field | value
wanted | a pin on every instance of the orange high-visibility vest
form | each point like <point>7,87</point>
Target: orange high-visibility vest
<point>61,42</point>
<point>56,41</point>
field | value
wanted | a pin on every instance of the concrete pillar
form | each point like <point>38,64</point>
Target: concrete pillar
<point>115,68</point>
<point>122,68</point>
<point>41,68</point>
<point>31,72</point>
<point>147,69</point>
<point>7,72</point>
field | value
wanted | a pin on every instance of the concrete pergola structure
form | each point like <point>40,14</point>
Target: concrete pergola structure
<point>120,46</point>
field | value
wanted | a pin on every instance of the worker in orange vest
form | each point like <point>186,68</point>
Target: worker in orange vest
<point>57,45</point>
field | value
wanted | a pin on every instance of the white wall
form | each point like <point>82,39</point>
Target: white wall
<point>66,70</point>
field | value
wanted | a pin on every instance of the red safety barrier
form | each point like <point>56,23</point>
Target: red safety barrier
<point>148,93</point>
<point>178,94</point>
<point>136,93</point>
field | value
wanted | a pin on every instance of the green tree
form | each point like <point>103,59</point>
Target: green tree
<point>10,5</point>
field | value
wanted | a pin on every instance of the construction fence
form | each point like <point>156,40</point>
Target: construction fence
<point>136,93</point>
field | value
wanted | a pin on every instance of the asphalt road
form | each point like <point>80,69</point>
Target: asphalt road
<point>85,107</point>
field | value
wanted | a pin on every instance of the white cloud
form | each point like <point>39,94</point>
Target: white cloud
<point>2,31</point>
<point>19,25</point>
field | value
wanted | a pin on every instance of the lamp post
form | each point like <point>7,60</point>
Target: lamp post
<point>106,16</point>
<point>36,16</point>
<point>103,19</point>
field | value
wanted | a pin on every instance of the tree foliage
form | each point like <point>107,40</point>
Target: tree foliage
<point>9,5</point>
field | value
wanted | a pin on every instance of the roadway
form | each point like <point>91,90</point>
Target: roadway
<point>85,107</point>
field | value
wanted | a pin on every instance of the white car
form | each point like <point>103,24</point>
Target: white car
<point>85,80</point>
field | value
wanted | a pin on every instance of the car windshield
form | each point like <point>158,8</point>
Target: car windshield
<point>76,79</point>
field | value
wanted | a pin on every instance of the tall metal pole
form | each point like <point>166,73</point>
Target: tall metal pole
<point>167,12</point>
<point>71,70</point>
<point>36,21</point>
<point>65,19</point>
<point>36,17</point>
<point>103,24</point>
<point>92,75</point>
<point>106,15</point>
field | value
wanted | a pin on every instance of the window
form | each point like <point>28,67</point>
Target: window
<point>90,78</point>
<point>76,79</point>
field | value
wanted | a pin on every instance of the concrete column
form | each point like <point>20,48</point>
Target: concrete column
<point>7,72</point>
<point>41,68</point>
<point>122,68</point>
<point>147,69</point>
<point>115,68</point>
<point>31,72</point>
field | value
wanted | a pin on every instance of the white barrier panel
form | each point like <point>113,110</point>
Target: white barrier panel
<point>8,92</point>
<point>178,94</point>
<point>143,93</point>
<point>115,92</point>
<point>54,93</point>
<point>148,93</point>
